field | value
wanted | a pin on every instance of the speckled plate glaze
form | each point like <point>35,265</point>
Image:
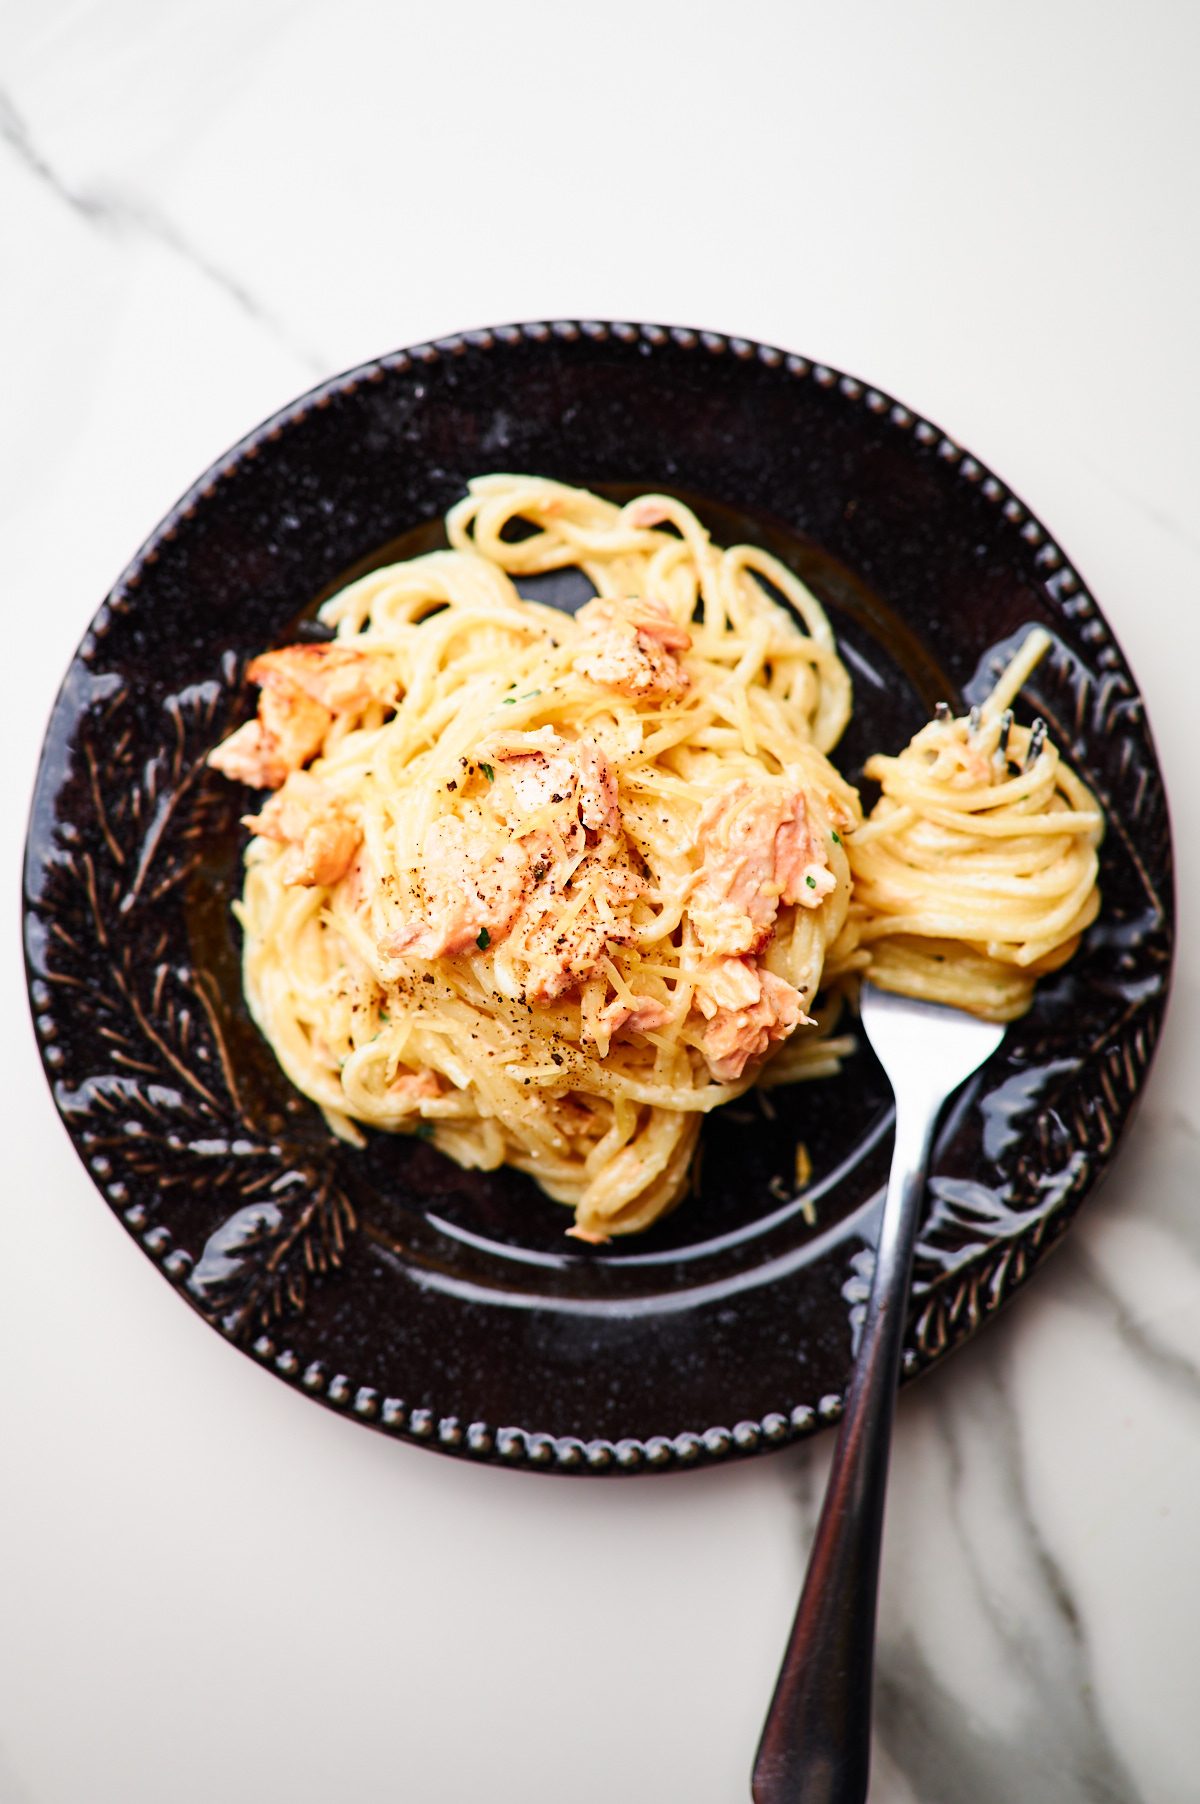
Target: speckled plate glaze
<point>444,1306</point>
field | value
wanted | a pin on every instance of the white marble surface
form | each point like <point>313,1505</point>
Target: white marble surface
<point>211,1589</point>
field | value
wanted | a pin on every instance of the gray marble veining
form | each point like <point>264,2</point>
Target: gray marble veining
<point>211,1589</point>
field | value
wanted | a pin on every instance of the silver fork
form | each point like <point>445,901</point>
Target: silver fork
<point>816,1744</point>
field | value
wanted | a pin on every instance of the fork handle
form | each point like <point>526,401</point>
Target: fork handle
<point>816,1743</point>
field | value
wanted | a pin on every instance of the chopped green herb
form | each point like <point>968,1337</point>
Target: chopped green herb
<point>811,882</point>
<point>510,701</point>
<point>530,696</point>
<point>837,839</point>
<point>484,940</point>
<point>488,772</point>
<point>424,1130</point>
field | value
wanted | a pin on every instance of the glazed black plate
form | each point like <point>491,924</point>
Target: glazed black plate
<point>445,1305</point>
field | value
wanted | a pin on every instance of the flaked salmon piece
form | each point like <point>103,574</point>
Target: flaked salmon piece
<point>540,769</point>
<point>747,1009</point>
<point>598,805</point>
<point>645,1017</point>
<point>481,895</point>
<point>286,817</point>
<point>535,770</point>
<point>469,901</point>
<point>323,855</point>
<point>304,688</point>
<point>757,848</point>
<point>411,1086</point>
<point>555,947</point>
<point>321,841</point>
<point>652,619</point>
<point>730,984</point>
<point>800,862</point>
<point>335,676</point>
<point>247,757</point>
<point>630,646</point>
<point>262,752</point>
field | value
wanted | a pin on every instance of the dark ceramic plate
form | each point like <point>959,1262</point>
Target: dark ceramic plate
<point>444,1305</point>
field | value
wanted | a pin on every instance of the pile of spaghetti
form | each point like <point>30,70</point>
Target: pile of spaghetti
<point>548,888</point>
<point>976,873</point>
